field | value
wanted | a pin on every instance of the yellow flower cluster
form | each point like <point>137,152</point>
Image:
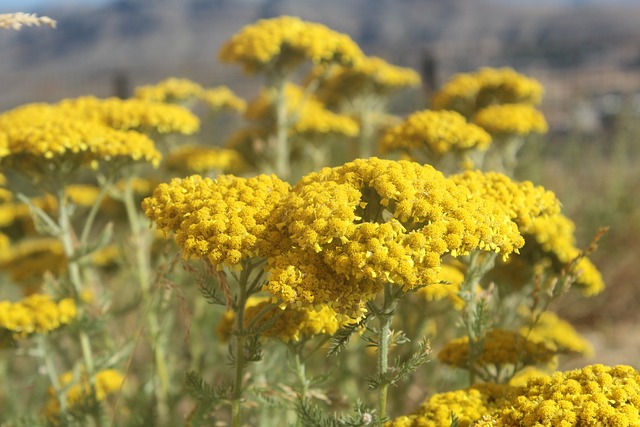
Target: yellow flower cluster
<point>436,132</point>
<point>468,93</point>
<point>518,119</point>
<point>134,114</point>
<point>202,159</point>
<point>29,259</point>
<point>223,219</point>
<point>282,43</point>
<point>558,334</point>
<point>309,116</point>
<point>36,314</point>
<point>223,98</point>
<point>522,201</point>
<point>107,382</point>
<point>40,134</point>
<point>449,279</point>
<point>595,395</point>
<point>169,90</point>
<point>370,75</point>
<point>381,221</point>
<point>469,405</point>
<point>555,236</point>
<point>501,347</point>
<point>291,323</point>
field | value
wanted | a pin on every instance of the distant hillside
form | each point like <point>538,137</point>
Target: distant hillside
<point>144,41</point>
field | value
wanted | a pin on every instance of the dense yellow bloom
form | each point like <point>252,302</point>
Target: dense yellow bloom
<point>309,116</point>
<point>202,159</point>
<point>282,43</point>
<point>222,219</point>
<point>78,391</point>
<point>134,114</point>
<point>291,323</point>
<point>383,221</point>
<point>468,93</point>
<point>28,260</point>
<point>501,347</point>
<point>449,280</point>
<point>522,201</point>
<point>555,236</point>
<point>370,75</point>
<point>518,119</point>
<point>436,132</point>
<point>36,314</point>
<point>223,98</point>
<point>558,334</point>
<point>169,90</point>
<point>596,395</point>
<point>41,136</point>
<point>469,405</point>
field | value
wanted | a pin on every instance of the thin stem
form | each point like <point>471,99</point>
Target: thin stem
<point>237,385</point>
<point>282,128</point>
<point>75,276</point>
<point>51,370</point>
<point>95,208</point>
<point>300,368</point>
<point>141,241</point>
<point>384,337</point>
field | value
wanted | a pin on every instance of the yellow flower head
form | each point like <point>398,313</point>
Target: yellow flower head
<point>282,43</point>
<point>370,75</point>
<point>522,201</point>
<point>223,98</point>
<point>469,405</point>
<point>384,221</point>
<point>501,347</point>
<point>134,114</point>
<point>558,334</point>
<point>595,395</point>
<point>290,324</point>
<point>202,159</point>
<point>36,314</point>
<point>79,391</point>
<point>171,90</point>
<point>436,132</point>
<point>41,136</point>
<point>511,119</point>
<point>309,115</point>
<point>449,279</point>
<point>554,236</point>
<point>468,93</point>
<point>223,220</point>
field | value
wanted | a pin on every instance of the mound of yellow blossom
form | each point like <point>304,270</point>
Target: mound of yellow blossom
<point>436,132</point>
<point>203,159</point>
<point>223,220</point>
<point>468,93</point>
<point>378,221</point>
<point>284,42</point>
<point>36,314</point>
<point>291,324</point>
<point>511,119</point>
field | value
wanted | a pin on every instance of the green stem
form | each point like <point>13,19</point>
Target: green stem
<point>51,370</point>
<point>479,264</point>
<point>300,374</point>
<point>88,225</point>
<point>282,128</point>
<point>365,139</point>
<point>142,246</point>
<point>243,295</point>
<point>75,276</point>
<point>384,337</point>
